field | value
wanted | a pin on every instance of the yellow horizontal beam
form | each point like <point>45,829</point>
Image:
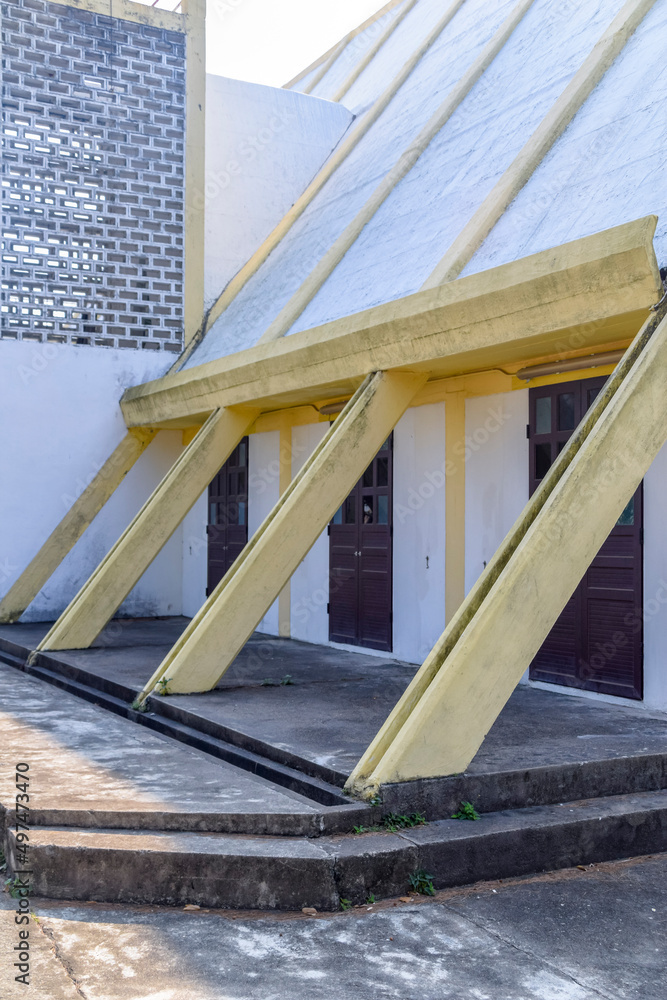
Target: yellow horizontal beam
<point>221,628</point>
<point>63,538</point>
<point>124,565</point>
<point>589,292</point>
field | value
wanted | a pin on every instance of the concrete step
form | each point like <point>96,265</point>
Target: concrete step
<point>117,699</point>
<point>491,788</point>
<point>91,769</point>
<point>287,873</point>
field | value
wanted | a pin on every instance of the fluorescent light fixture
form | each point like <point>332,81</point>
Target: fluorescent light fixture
<point>334,407</point>
<point>571,365</point>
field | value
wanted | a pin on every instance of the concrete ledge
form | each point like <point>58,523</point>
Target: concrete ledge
<point>438,798</point>
<point>288,873</point>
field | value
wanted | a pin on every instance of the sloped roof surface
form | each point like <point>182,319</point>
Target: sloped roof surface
<point>608,166</point>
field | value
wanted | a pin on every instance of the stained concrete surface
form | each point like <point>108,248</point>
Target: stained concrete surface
<point>573,935</point>
<point>339,699</point>
<point>84,758</point>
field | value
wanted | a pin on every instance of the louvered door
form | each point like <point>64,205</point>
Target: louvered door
<point>227,514</point>
<point>360,560</point>
<point>597,643</point>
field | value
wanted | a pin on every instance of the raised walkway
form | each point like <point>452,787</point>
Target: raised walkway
<point>234,797</point>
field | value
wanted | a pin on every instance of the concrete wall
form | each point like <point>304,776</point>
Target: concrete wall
<point>60,420</point>
<point>195,556</point>
<point>310,583</point>
<point>263,147</point>
<point>655,585</point>
<point>117,212</point>
<point>263,495</point>
<point>419,531</point>
<point>496,472</point>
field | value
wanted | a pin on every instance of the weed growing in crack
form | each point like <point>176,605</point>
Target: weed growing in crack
<point>392,822</point>
<point>422,882</point>
<point>14,886</point>
<point>466,810</point>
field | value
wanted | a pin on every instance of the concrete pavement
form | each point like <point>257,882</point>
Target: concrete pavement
<point>597,934</point>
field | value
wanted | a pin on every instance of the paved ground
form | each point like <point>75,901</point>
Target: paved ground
<point>338,700</point>
<point>84,758</point>
<point>597,934</point>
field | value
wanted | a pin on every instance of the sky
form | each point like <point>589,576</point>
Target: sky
<point>270,41</point>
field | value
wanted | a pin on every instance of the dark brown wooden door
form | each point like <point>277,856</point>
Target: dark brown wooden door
<point>360,559</point>
<point>227,514</point>
<point>597,643</point>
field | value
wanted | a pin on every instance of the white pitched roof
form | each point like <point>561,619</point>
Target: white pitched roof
<point>607,168</point>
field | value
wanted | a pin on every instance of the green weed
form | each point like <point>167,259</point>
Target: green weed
<point>422,883</point>
<point>466,810</point>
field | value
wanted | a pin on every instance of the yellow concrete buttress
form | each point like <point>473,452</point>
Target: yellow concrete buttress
<point>63,538</point>
<point>222,627</point>
<point>443,717</point>
<point>101,596</point>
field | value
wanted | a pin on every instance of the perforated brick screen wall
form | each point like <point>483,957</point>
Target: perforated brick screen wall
<point>92,178</point>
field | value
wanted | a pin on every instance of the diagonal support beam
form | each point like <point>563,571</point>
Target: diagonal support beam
<point>224,624</point>
<point>99,598</point>
<point>63,538</point>
<point>443,717</point>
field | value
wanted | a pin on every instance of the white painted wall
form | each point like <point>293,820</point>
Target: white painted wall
<point>195,556</point>
<point>263,147</point>
<point>419,531</point>
<point>310,582</point>
<point>60,420</point>
<point>263,495</point>
<point>496,472</point>
<point>655,585</point>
